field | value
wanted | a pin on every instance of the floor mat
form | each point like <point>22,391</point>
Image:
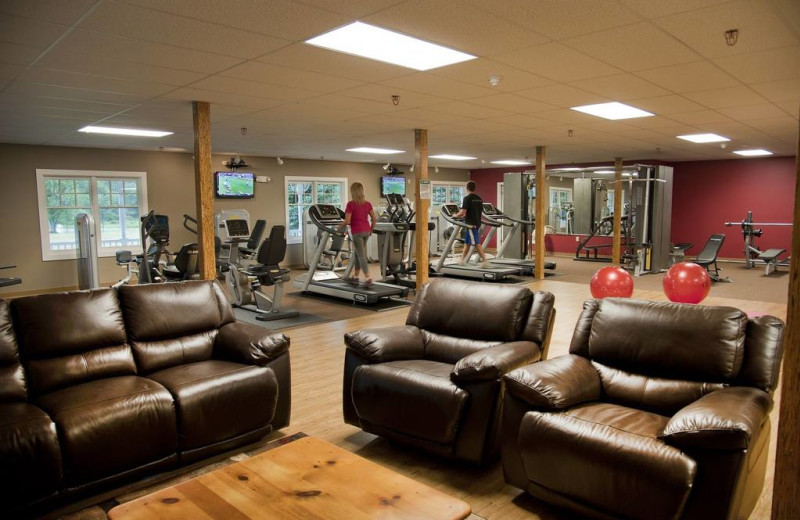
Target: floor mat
<point>286,323</point>
<point>383,305</point>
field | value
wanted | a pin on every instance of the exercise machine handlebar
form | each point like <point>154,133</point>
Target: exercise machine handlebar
<point>745,223</point>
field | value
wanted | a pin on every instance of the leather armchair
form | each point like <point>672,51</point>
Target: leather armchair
<point>436,383</point>
<point>660,411</point>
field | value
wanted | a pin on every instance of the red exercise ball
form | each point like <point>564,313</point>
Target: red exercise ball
<point>611,282</point>
<point>687,282</point>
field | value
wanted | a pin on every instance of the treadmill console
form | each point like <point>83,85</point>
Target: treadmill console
<point>450,209</point>
<point>489,209</point>
<point>237,229</point>
<point>327,212</point>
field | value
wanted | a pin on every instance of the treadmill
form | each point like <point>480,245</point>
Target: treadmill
<point>492,273</point>
<point>494,218</point>
<point>327,218</point>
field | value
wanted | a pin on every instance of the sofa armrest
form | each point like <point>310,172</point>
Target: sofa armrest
<point>557,383</point>
<point>493,362</point>
<point>249,344</point>
<point>727,419</point>
<point>386,344</point>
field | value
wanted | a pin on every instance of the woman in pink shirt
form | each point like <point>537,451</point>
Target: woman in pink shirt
<point>356,213</point>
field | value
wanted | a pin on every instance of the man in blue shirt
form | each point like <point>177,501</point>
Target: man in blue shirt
<point>471,211</point>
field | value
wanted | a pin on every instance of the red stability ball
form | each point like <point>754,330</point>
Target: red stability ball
<point>687,282</point>
<point>611,282</point>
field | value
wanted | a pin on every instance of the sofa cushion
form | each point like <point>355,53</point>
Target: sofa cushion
<point>111,425</point>
<point>669,340</point>
<point>71,338</point>
<point>152,356</point>
<point>12,378</point>
<point>596,453</point>
<point>219,400</point>
<point>763,353</point>
<point>424,402</point>
<point>449,349</point>
<point>482,311</point>
<point>662,396</point>
<point>31,462</point>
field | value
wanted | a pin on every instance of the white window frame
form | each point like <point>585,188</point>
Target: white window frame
<point>93,176</point>
<point>313,180</point>
<point>449,184</point>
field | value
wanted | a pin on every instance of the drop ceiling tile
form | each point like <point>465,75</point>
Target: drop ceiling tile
<point>358,106</point>
<point>438,86</point>
<point>790,107</point>
<point>455,25</point>
<point>290,77</point>
<point>759,26</point>
<point>562,96</point>
<point>284,18</point>
<point>726,97</point>
<point>466,109</point>
<point>252,88</point>
<point>352,8</point>
<point>148,53</point>
<point>657,123</point>
<point>18,54</point>
<point>93,82</point>
<point>427,118</point>
<point>58,11</point>
<point>33,33</point>
<point>565,115</point>
<point>80,94</point>
<point>10,72</point>
<point>523,121</point>
<point>783,125</point>
<point>783,90</point>
<point>634,47</point>
<point>384,93</point>
<point>688,77</point>
<point>621,87</point>
<point>557,19</point>
<point>666,105</point>
<point>222,98</point>
<point>486,125</point>
<point>558,62</point>
<point>650,9</point>
<point>759,67</point>
<point>315,59</point>
<point>511,103</point>
<point>477,72</point>
<point>746,113</point>
<point>100,66</point>
<point>154,26</point>
<point>700,117</point>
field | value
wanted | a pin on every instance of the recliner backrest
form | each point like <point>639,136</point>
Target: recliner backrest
<point>70,338</point>
<point>662,356</point>
<point>273,249</point>
<point>173,323</point>
<point>12,377</point>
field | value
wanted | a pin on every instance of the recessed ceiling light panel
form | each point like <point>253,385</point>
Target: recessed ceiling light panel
<point>448,157</point>
<point>512,162</point>
<point>123,131</point>
<point>753,153</point>
<point>703,138</point>
<point>380,44</point>
<point>613,111</point>
<point>367,149</point>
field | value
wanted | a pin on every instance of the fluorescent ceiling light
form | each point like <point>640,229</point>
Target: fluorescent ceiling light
<point>367,149</point>
<point>612,111</point>
<point>123,131</point>
<point>449,157</point>
<point>753,153</point>
<point>511,162</point>
<point>379,44</point>
<point>703,138</point>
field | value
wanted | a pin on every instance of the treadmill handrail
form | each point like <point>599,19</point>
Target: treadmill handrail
<point>456,222</point>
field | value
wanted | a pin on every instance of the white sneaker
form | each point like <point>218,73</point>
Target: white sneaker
<point>484,264</point>
<point>462,262</point>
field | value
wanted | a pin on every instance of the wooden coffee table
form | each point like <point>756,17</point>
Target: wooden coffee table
<point>305,479</point>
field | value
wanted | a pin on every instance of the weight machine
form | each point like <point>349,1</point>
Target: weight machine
<point>770,257</point>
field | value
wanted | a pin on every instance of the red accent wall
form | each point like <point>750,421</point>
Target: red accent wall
<point>706,194</point>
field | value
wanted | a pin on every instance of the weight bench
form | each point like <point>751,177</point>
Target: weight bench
<point>770,258</point>
<point>708,257</point>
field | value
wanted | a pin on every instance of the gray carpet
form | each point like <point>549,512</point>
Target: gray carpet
<point>302,319</point>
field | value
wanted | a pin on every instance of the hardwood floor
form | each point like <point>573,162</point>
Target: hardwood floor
<point>317,369</point>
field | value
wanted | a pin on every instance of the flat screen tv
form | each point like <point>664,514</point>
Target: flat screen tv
<point>234,185</point>
<point>393,185</point>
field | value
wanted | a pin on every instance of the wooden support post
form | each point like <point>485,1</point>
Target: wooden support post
<point>204,188</point>
<point>539,209</point>
<point>422,205</point>
<point>616,252</point>
<point>786,490</point>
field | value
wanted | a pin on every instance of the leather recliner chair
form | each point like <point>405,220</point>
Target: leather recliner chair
<point>436,383</point>
<point>660,411</point>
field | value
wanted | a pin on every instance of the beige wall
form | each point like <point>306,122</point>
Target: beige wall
<point>170,186</point>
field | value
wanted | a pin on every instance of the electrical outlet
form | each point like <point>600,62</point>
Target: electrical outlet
<point>577,239</point>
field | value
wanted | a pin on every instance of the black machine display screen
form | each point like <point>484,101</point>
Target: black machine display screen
<point>450,209</point>
<point>327,211</point>
<point>237,227</point>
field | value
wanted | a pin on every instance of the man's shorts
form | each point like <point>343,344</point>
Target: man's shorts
<point>472,237</point>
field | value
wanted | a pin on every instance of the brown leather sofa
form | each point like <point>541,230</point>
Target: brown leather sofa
<point>99,387</point>
<point>660,411</point>
<point>436,383</point>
